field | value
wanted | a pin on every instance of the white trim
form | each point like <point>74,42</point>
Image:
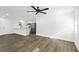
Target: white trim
<point>55,37</point>
<point>76,44</point>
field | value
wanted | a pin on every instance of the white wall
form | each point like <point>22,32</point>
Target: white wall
<point>8,26</point>
<point>5,26</point>
<point>77,37</point>
<point>57,23</point>
<point>76,41</point>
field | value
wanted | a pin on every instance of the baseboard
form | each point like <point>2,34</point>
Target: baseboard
<point>62,39</point>
<point>55,37</point>
<point>76,45</point>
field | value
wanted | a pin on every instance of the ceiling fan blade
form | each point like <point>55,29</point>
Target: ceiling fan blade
<point>34,8</point>
<point>36,13</point>
<point>44,9</point>
<point>31,11</point>
<point>43,12</point>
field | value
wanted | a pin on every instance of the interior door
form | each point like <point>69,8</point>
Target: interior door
<point>33,28</point>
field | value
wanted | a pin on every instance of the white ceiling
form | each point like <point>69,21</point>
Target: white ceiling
<point>16,12</point>
<point>20,12</point>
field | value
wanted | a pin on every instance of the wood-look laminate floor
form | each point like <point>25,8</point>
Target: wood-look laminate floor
<point>33,43</point>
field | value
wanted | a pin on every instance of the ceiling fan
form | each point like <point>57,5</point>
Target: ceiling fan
<point>38,10</point>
